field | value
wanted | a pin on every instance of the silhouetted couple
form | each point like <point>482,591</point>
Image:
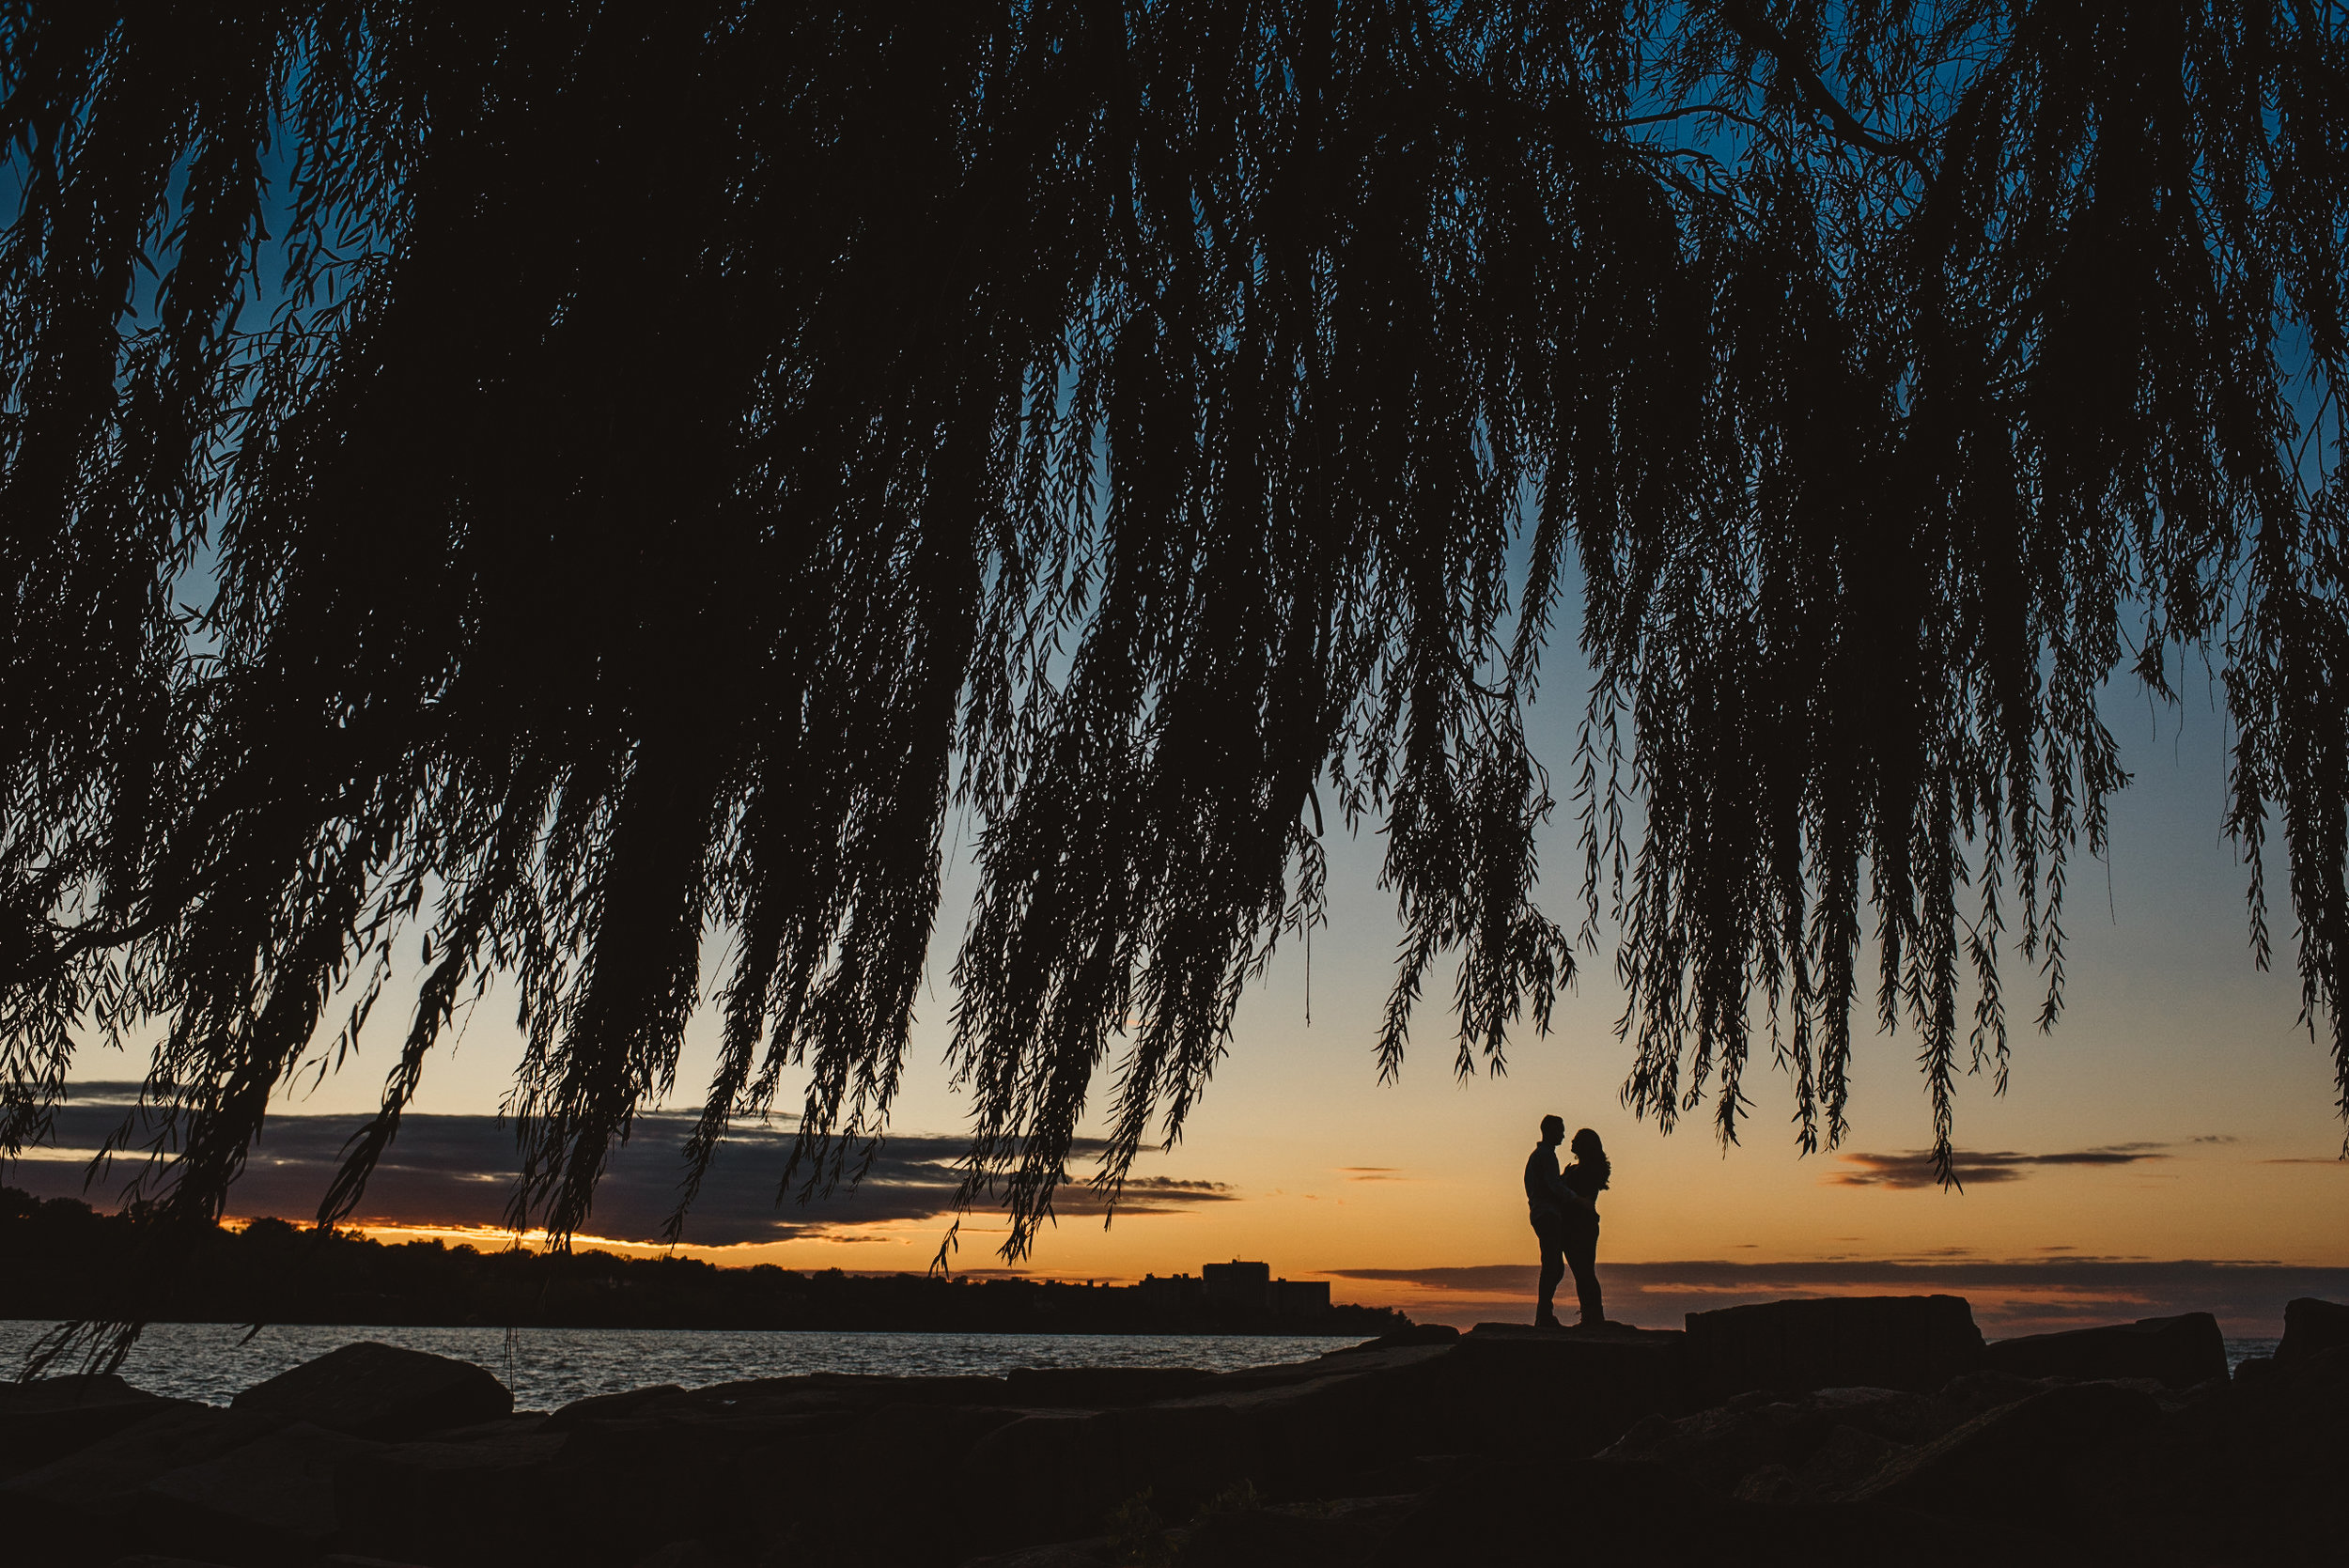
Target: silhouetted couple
<point>1563,1206</point>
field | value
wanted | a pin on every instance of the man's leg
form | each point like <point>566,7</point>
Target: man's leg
<point>1583,1254</point>
<point>1553,1270</point>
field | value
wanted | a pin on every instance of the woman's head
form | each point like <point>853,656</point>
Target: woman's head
<point>1587,1146</point>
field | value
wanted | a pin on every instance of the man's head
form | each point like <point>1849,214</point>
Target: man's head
<point>1553,1130</point>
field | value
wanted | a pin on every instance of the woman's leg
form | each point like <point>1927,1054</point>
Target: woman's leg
<point>1582,1256</point>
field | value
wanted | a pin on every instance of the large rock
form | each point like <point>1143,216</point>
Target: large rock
<point>1181,1454</point>
<point>1506,1389</point>
<point>269,1498</point>
<point>1721,1449</point>
<point>50,1417</point>
<point>1916,1343</point>
<point>69,1508</point>
<point>1339,1534</point>
<point>2251,1473</point>
<point>892,1494</point>
<point>2311,1328</point>
<point>2179,1351</point>
<point>484,1504</point>
<point>2017,1466</point>
<point>1338,1426</point>
<point>609,1407</point>
<point>1100,1387</point>
<point>1643,1514</point>
<point>381,1391</point>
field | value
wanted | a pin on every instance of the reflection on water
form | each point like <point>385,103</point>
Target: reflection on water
<point>547,1367</point>
<point>2239,1351</point>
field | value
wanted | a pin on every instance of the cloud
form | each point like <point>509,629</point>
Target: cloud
<point>1916,1168</point>
<point>2310,1159</point>
<point>461,1169</point>
<point>2009,1295</point>
<point>1373,1173</point>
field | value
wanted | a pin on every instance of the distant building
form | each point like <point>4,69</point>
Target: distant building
<point>1175,1294</point>
<point>1237,1286</point>
<point>1298,1297</point>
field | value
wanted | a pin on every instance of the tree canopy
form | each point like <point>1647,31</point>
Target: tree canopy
<point>595,482</point>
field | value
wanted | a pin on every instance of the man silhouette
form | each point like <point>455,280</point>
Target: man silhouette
<point>1547,1202</point>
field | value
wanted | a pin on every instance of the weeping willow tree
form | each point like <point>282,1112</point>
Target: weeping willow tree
<point>586,484</point>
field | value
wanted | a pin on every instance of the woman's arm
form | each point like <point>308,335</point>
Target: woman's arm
<point>1570,1197</point>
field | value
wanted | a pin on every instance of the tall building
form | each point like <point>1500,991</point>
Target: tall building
<point>1237,1286</point>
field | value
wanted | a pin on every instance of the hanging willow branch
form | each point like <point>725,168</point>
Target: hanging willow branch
<point>579,482</point>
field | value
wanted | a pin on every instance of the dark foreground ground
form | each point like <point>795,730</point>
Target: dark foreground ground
<point>1877,1430</point>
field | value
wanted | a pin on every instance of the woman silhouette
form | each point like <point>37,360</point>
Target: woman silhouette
<point>1587,1178</point>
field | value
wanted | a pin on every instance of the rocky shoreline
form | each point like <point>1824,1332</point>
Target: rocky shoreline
<point>1819,1431</point>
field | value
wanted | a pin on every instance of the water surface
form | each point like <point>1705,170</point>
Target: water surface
<point>547,1367</point>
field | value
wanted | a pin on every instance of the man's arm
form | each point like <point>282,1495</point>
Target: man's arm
<point>1569,1197</point>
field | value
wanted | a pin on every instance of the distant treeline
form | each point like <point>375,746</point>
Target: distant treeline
<point>61,1259</point>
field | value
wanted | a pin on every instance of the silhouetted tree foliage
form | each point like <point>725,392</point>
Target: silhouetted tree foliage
<point>636,469</point>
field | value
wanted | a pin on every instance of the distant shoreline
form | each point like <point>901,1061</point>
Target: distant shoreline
<point>61,1260</point>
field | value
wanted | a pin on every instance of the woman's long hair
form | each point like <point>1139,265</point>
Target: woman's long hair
<point>1590,1155</point>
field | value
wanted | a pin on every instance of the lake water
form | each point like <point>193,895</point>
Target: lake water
<point>547,1367</point>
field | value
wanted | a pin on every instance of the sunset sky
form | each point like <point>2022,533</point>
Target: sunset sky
<point>2171,1147</point>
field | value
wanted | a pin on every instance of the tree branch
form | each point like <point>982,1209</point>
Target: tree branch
<point>1746,20</point>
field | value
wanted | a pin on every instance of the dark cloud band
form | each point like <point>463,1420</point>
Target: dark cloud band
<point>1915,1168</point>
<point>460,1171</point>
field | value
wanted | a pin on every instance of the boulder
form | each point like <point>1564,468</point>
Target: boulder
<point>691,1553</point>
<point>1099,1388</point>
<point>102,1474</point>
<point>1894,1415</point>
<point>1422,1472</point>
<point>774,1458</point>
<point>1812,1442</point>
<point>484,1504</point>
<point>1506,1389</point>
<point>1008,1510</point>
<point>91,1496</point>
<point>381,1391</point>
<point>1916,1342</point>
<point>1181,1453</point>
<point>1713,1449</point>
<point>1978,1392</point>
<point>2179,1351</point>
<point>1337,1534</point>
<point>2015,1465</point>
<point>1845,1460</point>
<point>1093,1552</point>
<point>2311,1328</point>
<point>272,1498</point>
<point>1643,1514</point>
<point>607,1407</point>
<point>50,1417</point>
<point>891,1495</point>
